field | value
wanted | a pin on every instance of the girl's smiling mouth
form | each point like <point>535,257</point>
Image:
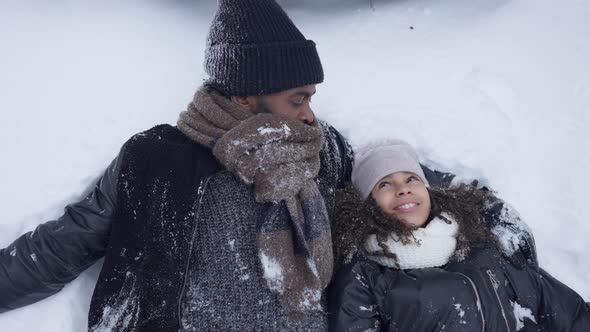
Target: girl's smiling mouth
<point>407,207</point>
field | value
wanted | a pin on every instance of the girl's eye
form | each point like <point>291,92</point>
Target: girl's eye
<point>383,184</point>
<point>412,178</point>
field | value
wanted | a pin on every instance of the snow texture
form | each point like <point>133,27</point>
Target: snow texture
<point>510,237</point>
<point>268,130</point>
<point>273,273</point>
<point>460,312</point>
<point>241,268</point>
<point>520,313</point>
<point>494,90</point>
<point>123,308</point>
<point>311,300</point>
<point>369,308</point>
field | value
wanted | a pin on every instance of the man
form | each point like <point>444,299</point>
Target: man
<point>220,223</point>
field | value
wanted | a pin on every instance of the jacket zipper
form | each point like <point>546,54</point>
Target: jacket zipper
<point>495,286</point>
<point>483,319</point>
<point>200,194</point>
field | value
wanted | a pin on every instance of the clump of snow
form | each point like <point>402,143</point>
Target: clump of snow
<point>520,313</point>
<point>273,273</point>
<point>510,237</point>
<point>369,308</point>
<point>311,300</point>
<point>361,279</point>
<point>269,130</point>
<point>459,310</point>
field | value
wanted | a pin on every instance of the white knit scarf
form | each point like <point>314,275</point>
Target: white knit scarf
<point>434,246</point>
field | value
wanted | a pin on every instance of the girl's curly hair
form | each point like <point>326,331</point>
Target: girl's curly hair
<point>356,219</point>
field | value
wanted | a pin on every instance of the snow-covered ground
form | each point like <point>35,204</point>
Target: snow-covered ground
<point>492,89</point>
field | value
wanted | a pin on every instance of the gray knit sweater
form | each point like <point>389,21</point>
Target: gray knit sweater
<point>225,288</point>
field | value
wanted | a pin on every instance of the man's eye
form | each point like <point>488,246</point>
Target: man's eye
<point>298,102</point>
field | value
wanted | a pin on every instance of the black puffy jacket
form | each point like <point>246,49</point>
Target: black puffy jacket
<point>484,292</point>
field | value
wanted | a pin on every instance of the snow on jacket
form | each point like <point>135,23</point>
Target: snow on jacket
<point>484,291</point>
<point>178,235</point>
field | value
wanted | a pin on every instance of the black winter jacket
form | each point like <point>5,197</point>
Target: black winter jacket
<point>39,263</point>
<point>484,292</point>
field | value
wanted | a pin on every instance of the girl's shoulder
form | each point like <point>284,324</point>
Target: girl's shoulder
<point>360,264</point>
<point>361,269</point>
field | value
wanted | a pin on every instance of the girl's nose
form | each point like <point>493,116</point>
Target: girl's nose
<point>404,190</point>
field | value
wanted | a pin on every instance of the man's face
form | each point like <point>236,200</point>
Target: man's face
<point>404,196</point>
<point>292,104</point>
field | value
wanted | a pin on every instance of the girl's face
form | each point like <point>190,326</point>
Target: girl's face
<point>404,196</point>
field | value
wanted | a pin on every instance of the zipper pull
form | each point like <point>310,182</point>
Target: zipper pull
<point>493,279</point>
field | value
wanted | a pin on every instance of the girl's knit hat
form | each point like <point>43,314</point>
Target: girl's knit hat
<point>378,159</point>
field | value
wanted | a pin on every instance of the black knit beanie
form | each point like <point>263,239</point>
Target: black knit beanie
<point>254,48</point>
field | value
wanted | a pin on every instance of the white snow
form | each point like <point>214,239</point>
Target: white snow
<point>273,273</point>
<point>361,279</point>
<point>369,308</point>
<point>510,238</point>
<point>311,300</point>
<point>497,90</point>
<point>520,313</point>
<point>460,311</point>
<point>268,130</point>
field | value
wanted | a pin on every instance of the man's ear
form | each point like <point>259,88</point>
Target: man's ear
<point>249,102</point>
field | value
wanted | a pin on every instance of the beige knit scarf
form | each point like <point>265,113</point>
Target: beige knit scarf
<point>280,158</point>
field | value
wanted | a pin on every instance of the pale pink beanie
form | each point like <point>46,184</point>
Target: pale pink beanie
<point>376,160</point>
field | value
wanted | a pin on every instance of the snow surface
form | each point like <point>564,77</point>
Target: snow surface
<point>492,89</point>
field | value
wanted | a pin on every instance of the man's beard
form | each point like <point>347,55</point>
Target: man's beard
<point>261,106</point>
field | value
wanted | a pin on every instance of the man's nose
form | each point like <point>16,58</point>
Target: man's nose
<point>306,115</point>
